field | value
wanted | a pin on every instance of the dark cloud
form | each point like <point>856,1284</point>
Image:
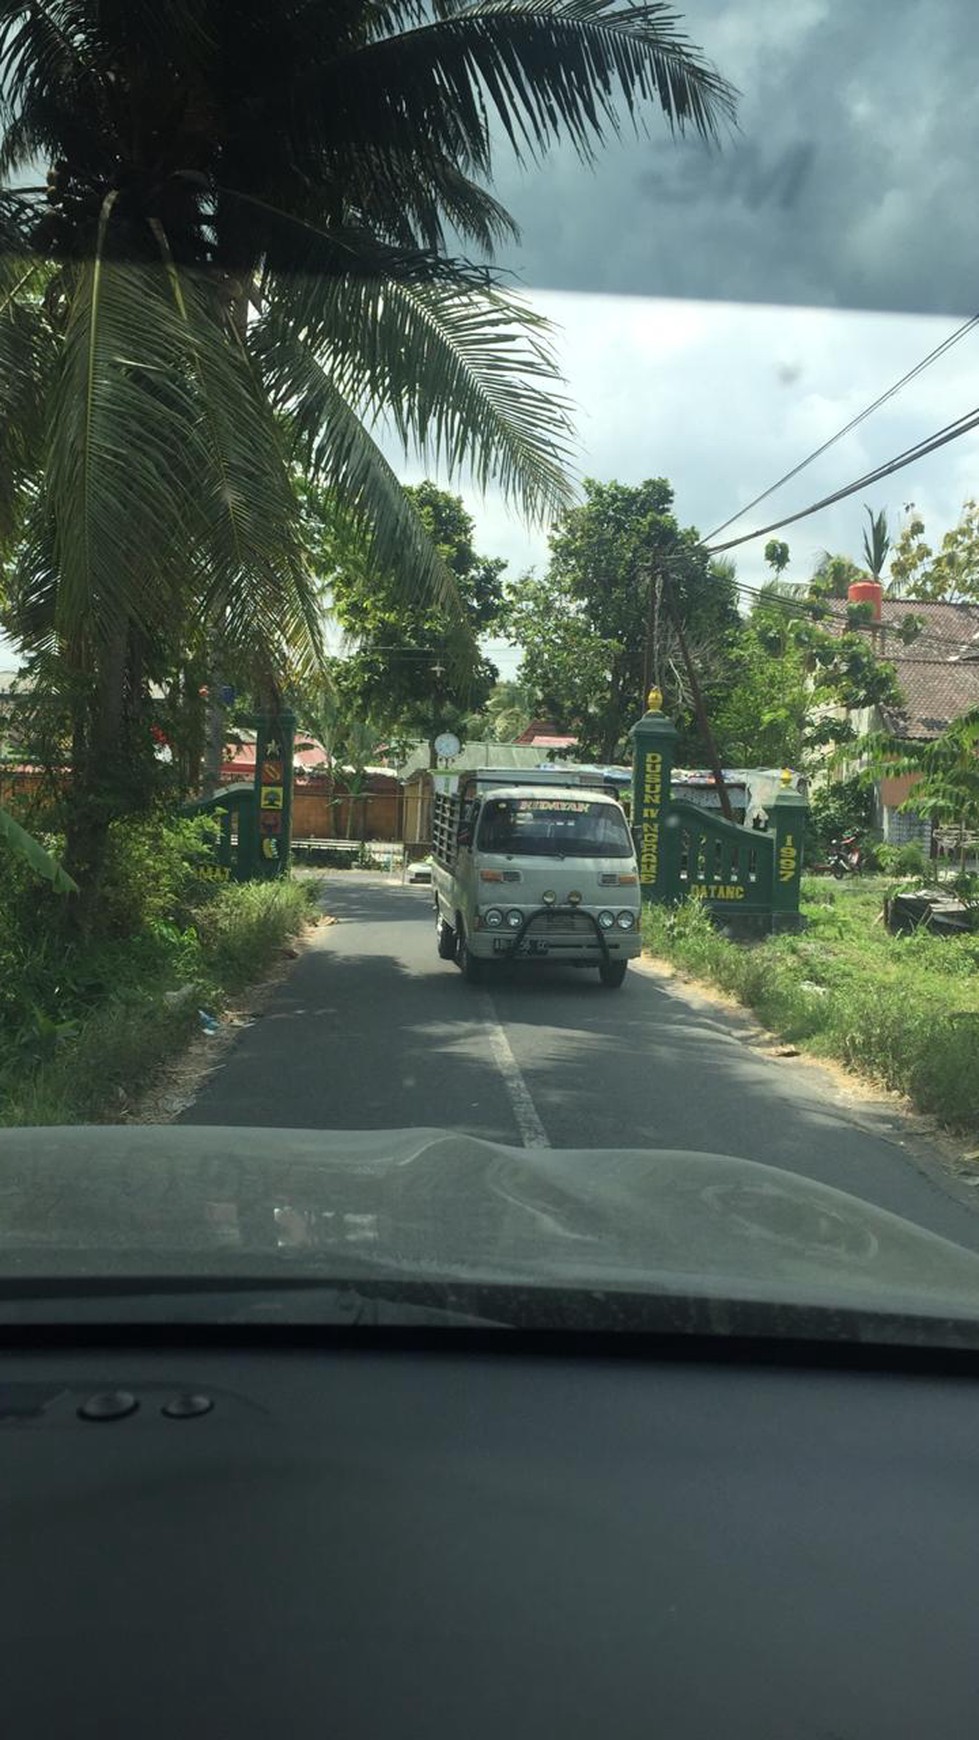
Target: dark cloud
<point>850,181</point>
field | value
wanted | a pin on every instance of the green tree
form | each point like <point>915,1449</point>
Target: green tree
<point>777,556</point>
<point>510,707</point>
<point>583,624</point>
<point>795,679</point>
<point>833,576</point>
<point>762,715</point>
<point>917,571</point>
<point>239,257</point>
<point>946,788</point>
<point>408,670</point>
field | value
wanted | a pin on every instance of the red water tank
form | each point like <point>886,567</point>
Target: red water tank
<point>866,592</point>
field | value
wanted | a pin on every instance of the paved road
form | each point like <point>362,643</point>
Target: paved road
<point>371,1031</point>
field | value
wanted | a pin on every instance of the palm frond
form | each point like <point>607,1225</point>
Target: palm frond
<point>414,195</point>
<point>25,366</point>
<point>465,375</point>
<point>549,69</point>
<point>249,508</point>
<point>124,455</point>
<point>334,448</point>
<point>435,192</point>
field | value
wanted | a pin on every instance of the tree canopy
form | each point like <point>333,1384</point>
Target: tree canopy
<point>583,624</point>
<point>407,670</point>
<point>239,263</point>
<point>951,572</point>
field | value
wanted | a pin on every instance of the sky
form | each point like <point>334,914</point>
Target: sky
<point>720,312</point>
<point>724,398</point>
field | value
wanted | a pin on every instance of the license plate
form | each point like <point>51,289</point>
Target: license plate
<point>529,945</point>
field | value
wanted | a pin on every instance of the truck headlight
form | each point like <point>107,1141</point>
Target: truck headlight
<point>493,918</point>
<point>514,918</point>
<point>625,920</point>
<point>606,920</point>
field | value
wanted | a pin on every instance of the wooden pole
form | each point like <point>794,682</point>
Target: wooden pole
<point>698,700</point>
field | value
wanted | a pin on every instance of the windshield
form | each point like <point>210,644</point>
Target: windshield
<point>533,827</point>
<point>489,639</point>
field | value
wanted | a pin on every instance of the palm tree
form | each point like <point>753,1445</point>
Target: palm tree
<point>239,262</point>
<point>876,543</point>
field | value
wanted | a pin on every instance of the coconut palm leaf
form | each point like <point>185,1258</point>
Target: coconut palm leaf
<point>465,375</point>
<point>124,455</point>
<point>250,539</point>
<point>25,358</point>
<point>548,69</point>
<point>333,446</point>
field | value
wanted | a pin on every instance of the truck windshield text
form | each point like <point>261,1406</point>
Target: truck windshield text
<point>553,828</point>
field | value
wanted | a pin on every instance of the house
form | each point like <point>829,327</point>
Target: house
<point>938,675</point>
<point>542,734</point>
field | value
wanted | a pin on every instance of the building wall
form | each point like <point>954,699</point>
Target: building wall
<point>318,814</point>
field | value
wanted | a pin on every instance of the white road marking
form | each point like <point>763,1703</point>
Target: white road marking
<point>532,1132</point>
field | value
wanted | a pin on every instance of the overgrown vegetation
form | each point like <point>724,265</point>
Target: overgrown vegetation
<point>85,1023</point>
<point>845,807</point>
<point>901,1010</point>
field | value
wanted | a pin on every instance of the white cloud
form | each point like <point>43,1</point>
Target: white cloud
<point>723,399</point>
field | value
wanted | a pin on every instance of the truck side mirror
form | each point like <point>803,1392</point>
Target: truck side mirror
<point>464,837</point>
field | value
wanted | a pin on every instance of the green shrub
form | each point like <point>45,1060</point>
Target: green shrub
<point>82,1018</point>
<point>846,806</point>
<point>159,870</point>
<point>910,859</point>
<point>904,1010</point>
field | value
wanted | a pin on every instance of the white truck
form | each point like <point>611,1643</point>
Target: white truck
<point>536,866</point>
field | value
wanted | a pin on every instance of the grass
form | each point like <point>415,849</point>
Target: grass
<point>903,1011</point>
<point>122,1026</point>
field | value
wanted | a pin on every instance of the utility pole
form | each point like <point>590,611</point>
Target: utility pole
<point>698,701</point>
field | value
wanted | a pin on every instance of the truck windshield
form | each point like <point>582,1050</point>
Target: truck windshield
<point>553,828</point>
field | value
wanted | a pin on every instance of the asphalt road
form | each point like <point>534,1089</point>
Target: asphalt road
<point>370,1030</point>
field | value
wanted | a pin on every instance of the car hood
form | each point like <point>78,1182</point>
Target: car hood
<point>439,1207</point>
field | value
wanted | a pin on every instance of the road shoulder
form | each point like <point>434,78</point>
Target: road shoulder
<point>943,1159</point>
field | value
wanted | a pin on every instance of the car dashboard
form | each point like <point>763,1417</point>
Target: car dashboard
<point>459,1534</point>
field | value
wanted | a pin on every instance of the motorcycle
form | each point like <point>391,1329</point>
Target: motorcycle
<point>845,857</point>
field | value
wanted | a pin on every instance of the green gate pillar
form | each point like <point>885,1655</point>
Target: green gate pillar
<point>788,813</point>
<point>275,735</point>
<point>655,738</point>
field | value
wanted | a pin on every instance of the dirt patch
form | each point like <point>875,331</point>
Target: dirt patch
<point>181,1079</point>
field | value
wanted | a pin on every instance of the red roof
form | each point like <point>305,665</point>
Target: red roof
<point>239,758</point>
<point>543,734</point>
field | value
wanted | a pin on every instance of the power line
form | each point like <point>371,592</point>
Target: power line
<point>854,422</point>
<point>950,432</point>
<point>797,608</point>
<point>670,562</point>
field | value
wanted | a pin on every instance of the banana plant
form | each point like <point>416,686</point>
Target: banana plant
<point>38,859</point>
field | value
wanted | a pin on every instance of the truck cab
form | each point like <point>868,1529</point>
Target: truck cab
<point>540,869</point>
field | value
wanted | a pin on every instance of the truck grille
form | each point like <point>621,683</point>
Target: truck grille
<point>567,923</point>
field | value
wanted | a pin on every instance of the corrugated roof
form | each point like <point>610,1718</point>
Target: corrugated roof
<point>935,693</point>
<point>473,755</point>
<point>954,625</point>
